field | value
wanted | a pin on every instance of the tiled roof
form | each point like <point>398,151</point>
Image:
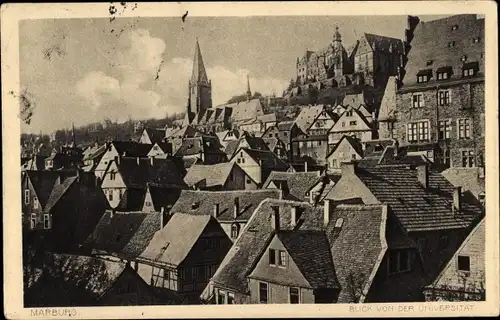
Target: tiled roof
<point>388,157</point>
<point>132,148</point>
<point>94,152</point>
<point>163,196</point>
<point>418,209</point>
<point>136,172</point>
<point>172,244</point>
<point>189,162</point>
<point>307,116</point>
<point>155,135</point>
<point>270,117</point>
<point>356,247</point>
<point>253,142</point>
<point>184,132</point>
<point>92,275</point>
<point>142,236</point>
<point>383,43</point>
<point>298,183</point>
<point>115,230</point>
<point>43,182</point>
<point>310,251</point>
<point>285,125</point>
<point>244,110</point>
<point>195,145</point>
<point>214,174</point>
<point>58,191</point>
<point>271,143</point>
<point>431,49</point>
<point>269,159</point>
<point>202,202</point>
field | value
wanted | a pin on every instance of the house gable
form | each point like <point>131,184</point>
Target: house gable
<point>289,275</point>
<point>323,121</point>
<point>156,150</point>
<point>347,123</point>
<point>343,151</point>
<point>117,182</point>
<point>351,188</point>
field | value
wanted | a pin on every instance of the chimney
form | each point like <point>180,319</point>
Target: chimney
<point>327,211</point>
<point>275,218</point>
<point>216,210</point>
<point>457,205</point>
<point>348,167</point>
<point>305,166</point>
<point>423,175</point>
<point>294,216</point>
<point>236,207</point>
<point>163,220</point>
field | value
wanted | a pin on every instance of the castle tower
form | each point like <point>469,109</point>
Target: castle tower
<point>249,93</point>
<point>200,87</point>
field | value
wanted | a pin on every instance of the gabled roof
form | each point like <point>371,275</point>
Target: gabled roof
<point>43,182</point>
<point>92,275</point>
<point>163,196</point>
<point>257,143</point>
<point>417,208</point>
<point>298,183</point>
<point>285,125</point>
<point>337,128</point>
<point>430,47</point>
<point>155,135</point>
<point>383,43</point>
<point>202,202</point>
<point>58,191</point>
<point>186,131</point>
<point>392,157</point>
<point>307,116</point>
<point>270,117</point>
<point>213,174</point>
<point>357,247</point>
<point>172,244</point>
<point>354,142</point>
<point>271,143</point>
<point>267,159</point>
<point>132,148</point>
<point>196,145</point>
<point>92,153</point>
<point>244,110</point>
<point>136,172</point>
<point>123,234</point>
<point>310,250</point>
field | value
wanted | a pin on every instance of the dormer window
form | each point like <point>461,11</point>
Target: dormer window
<point>476,40</point>
<point>424,76</point>
<point>451,44</point>
<point>444,73</point>
<point>454,27</point>
<point>429,62</point>
<point>470,69</point>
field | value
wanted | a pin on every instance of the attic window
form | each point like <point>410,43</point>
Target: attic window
<point>429,62</point>
<point>424,76</point>
<point>464,58</point>
<point>476,40</point>
<point>451,44</point>
<point>470,69</point>
<point>455,27</point>
<point>195,205</point>
<point>339,222</point>
<point>443,73</point>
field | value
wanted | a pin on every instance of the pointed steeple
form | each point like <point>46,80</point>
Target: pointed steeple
<point>73,140</point>
<point>249,93</point>
<point>336,35</point>
<point>199,73</point>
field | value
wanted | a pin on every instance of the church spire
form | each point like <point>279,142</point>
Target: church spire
<point>249,93</point>
<point>336,35</point>
<point>73,142</point>
<point>199,73</point>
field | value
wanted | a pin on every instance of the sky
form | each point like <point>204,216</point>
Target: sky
<point>86,70</point>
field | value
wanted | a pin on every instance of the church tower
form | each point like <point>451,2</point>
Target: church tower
<point>337,53</point>
<point>249,93</point>
<point>200,87</point>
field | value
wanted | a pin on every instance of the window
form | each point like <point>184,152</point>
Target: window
<point>33,221</point>
<point>263,292</point>
<point>468,72</point>
<point>285,133</point>
<point>399,261</point>
<point>353,156</point>
<point>468,158</point>
<point>119,194</point>
<point>221,297</point>
<point>112,175</point>
<point>230,298</point>
<point>422,78</point>
<point>446,157</point>
<point>444,129</point>
<point>423,131</point>
<point>348,113</point>
<point>294,295</point>
<point>282,258</point>
<point>343,124</point>
<point>334,163</point>
<point>476,40</point>
<point>272,257</point>
<point>442,75</point>
<point>482,198</point>
<point>352,123</point>
<point>27,196</point>
<point>249,181</point>
<point>451,44</point>
<point>234,231</point>
<point>455,27</point>
<point>412,132</point>
<point>339,222</point>
<point>463,263</point>
<point>110,195</point>
<point>242,160</point>
<point>444,97</point>
<point>464,131</point>
<point>46,221</point>
<point>418,100</point>
<point>238,160</point>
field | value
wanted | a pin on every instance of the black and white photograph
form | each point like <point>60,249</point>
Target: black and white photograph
<point>187,159</point>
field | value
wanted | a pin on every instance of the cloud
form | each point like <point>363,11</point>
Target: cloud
<point>134,90</point>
